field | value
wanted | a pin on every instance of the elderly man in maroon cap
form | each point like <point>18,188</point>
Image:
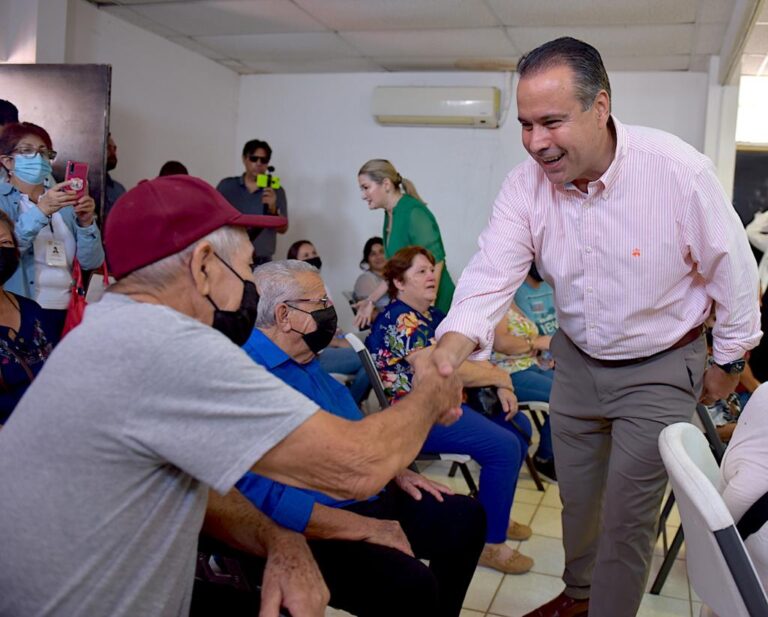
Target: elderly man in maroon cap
<point>104,483</point>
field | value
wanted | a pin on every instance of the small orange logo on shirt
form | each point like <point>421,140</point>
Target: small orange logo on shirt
<point>635,252</point>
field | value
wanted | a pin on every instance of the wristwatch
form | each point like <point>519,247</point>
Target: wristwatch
<point>733,368</point>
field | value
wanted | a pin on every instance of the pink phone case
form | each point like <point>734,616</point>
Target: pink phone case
<point>77,174</point>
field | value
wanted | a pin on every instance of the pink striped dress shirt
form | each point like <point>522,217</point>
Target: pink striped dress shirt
<point>635,263</point>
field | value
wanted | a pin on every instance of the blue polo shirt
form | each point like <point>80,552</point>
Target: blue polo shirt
<point>292,507</point>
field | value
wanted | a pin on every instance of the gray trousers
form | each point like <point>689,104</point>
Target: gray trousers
<point>605,425</point>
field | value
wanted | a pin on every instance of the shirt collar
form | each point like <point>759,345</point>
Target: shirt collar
<point>6,188</point>
<point>264,351</point>
<point>608,179</point>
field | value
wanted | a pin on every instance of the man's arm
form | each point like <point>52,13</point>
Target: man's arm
<point>291,577</point>
<point>354,460</point>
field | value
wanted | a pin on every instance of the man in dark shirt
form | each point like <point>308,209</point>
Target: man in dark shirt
<point>244,194</point>
<point>112,188</point>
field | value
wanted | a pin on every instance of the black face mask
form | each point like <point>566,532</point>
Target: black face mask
<point>314,261</point>
<point>327,321</point>
<point>237,325</point>
<point>9,262</point>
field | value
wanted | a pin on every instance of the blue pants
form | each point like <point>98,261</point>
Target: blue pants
<point>344,360</point>
<point>535,384</point>
<point>499,449</point>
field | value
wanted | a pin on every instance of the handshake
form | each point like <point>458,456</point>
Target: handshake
<point>442,392</point>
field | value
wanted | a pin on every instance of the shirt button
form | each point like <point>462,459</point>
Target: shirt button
<point>588,249</point>
<point>589,290</point>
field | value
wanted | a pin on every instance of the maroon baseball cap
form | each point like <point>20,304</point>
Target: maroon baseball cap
<point>162,217</point>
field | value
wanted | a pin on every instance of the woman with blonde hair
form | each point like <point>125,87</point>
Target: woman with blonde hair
<point>407,222</point>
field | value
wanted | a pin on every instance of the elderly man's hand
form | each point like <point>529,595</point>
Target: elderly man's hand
<point>292,579</point>
<point>387,533</point>
<point>444,392</point>
<point>414,483</point>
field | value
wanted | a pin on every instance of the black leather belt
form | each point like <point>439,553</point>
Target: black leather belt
<point>687,338</point>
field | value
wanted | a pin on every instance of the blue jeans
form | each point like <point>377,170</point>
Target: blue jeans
<point>499,449</point>
<point>344,360</point>
<point>535,384</point>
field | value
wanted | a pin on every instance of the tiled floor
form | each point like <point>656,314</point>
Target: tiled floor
<point>493,594</point>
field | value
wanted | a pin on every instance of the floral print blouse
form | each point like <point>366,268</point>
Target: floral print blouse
<point>517,325</point>
<point>397,331</point>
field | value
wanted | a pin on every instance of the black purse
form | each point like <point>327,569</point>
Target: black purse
<point>485,400</point>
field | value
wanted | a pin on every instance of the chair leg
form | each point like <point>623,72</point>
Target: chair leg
<point>453,469</point>
<point>669,561</point>
<point>537,421</point>
<point>467,478</point>
<point>665,512</point>
<point>534,474</point>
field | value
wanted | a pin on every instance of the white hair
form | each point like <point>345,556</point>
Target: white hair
<point>159,275</point>
<point>276,282</point>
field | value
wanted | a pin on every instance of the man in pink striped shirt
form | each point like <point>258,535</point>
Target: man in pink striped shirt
<point>634,232</point>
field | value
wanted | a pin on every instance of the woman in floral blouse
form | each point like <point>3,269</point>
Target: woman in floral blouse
<point>518,349</point>
<point>27,334</point>
<point>406,328</point>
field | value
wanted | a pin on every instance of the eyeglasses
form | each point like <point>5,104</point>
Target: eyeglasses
<point>258,159</point>
<point>29,152</point>
<point>325,300</point>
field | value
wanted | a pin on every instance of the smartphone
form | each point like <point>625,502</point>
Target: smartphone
<point>77,176</point>
<point>267,180</point>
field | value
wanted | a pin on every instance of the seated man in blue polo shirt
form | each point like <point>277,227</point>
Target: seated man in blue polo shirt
<point>369,552</point>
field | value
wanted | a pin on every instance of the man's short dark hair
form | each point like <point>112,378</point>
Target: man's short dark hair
<point>584,60</point>
<point>254,145</point>
<point>8,113</point>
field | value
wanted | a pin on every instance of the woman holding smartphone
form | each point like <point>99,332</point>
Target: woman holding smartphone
<point>53,225</point>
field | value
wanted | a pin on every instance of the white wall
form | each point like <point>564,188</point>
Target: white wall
<point>167,102</point>
<point>321,130</point>
<point>752,123</point>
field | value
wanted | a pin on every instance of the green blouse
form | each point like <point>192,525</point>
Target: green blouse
<point>414,224</point>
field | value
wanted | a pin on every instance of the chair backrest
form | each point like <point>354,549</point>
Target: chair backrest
<point>370,368</point>
<point>719,568</point>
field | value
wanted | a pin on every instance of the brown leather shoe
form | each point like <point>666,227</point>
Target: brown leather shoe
<point>561,606</point>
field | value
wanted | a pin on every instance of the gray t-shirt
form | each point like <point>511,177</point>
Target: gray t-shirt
<point>106,462</point>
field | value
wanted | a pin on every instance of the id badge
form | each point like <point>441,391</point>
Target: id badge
<point>54,253</point>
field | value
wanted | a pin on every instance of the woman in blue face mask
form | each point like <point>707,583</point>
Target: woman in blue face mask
<point>53,225</point>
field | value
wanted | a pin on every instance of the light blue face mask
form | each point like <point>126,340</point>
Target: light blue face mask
<point>31,170</point>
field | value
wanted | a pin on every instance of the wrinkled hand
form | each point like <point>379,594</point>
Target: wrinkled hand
<point>56,198</point>
<point>444,391</point>
<point>85,209</point>
<point>364,314</point>
<point>717,385</point>
<point>292,579</point>
<point>411,482</point>
<point>388,533</point>
<point>269,199</point>
<point>508,402</point>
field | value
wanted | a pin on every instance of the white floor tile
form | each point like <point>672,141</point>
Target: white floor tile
<point>696,609</point>
<point>660,606</point>
<point>552,497</point>
<point>481,590</point>
<point>676,585</point>
<point>547,553</point>
<point>658,549</point>
<point>525,480</point>
<point>526,495</point>
<point>467,613</point>
<point>523,512</point>
<point>521,594</point>
<point>547,522</point>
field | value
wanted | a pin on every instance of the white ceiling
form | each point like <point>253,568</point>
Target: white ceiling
<point>315,36</point>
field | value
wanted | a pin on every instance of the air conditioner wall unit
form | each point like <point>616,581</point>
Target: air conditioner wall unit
<point>436,106</point>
